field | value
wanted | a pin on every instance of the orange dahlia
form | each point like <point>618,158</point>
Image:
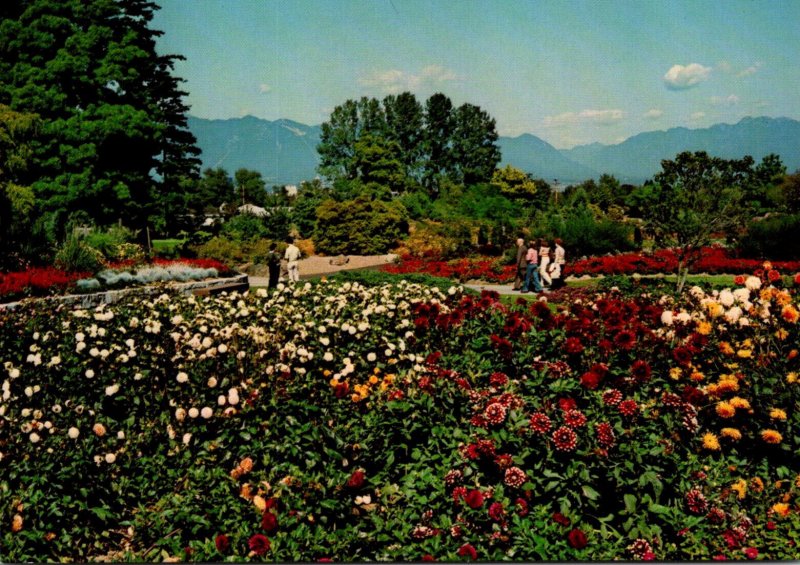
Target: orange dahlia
<point>771,436</point>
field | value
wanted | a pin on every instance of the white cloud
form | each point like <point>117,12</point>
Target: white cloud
<point>729,100</point>
<point>697,116</point>
<point>602,117</point>
<point>681,78</point>
<point>263,88</point>
<point>751,70</point>
<point>394,81</point>
<point>653,114</point>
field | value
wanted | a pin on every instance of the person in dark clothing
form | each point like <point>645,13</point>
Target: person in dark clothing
<point>274,265</point>
<point>521,262</point>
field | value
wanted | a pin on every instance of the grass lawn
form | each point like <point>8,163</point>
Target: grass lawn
<point>162,246</point>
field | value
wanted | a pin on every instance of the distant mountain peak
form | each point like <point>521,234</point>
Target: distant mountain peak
<point>284,151</point>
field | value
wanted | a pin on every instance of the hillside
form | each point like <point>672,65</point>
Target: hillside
<point>639,157</point>
<point>285,151</point>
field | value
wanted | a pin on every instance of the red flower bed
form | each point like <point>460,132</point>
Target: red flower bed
<point>45,281</point>
<point>712,260</point>
<point>485,269</point>
<point>37,281</point>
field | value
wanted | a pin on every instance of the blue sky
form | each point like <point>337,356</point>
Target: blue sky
<point>570,72</point>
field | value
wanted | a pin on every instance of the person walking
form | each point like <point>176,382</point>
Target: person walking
<point>292,257</point>
<point>521,263</point>
<point>544,262</point>
<point>557,266</point>
<point>274,265</point>
<point>532,271</point>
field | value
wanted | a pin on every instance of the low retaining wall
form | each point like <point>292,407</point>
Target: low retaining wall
<point>201,288</point>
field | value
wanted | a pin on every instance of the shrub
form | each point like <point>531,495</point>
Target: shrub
<point>113,242</point>
<point>306,247</point>
<point>359,227</point>
<point>221,249</point>
<point>585,235</point>
<point>767,238</point>
<point>75,255</point>
<point>245,228</point>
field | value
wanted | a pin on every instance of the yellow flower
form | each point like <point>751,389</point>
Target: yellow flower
<point>797,481</point>
<point>333,382</point>
<point>783,298</point>
<point>757,484</point>
<point>766,294</point>
<point>781,509</point>
<point>710,441</point>
<point>725,410</point>
<point>771,436</point>
<point>725,347</point>
<point>740,487</point>
<point>377,370</point>
<point>766,265</point>
<point>16,523</point>
<point>744,353</point>
<point>728,383</point>
<point>731,433</point>
<point>738,402</point>
<point>715,309</point>
<point>704,328</point>
<point>675,373</point>
<point>326,373</point>
<point>777,414</point>
<point>373,380</point>
<point>260,503</point>
<point>697,376</point>
<point>355,397</point>
<point>790,314</point>
<point>791,378</point>
<point>781,334</point>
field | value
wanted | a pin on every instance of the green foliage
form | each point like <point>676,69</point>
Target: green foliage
<point>250,187</point>
<point>111,112</point>
<point>359,227</point>
<point>76,255</point>
<point>397,145</point>
<point>584,235</point>
<point>790,193</point>
<point>418,204</point>
<point>514,183</point>
<point>378,278</point>
<point>222,249</point>
<point>110,241</point>
<point>244,228</point>
<point>770,238</point>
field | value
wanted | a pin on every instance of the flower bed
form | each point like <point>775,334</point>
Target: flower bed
<point>400,422</point>
<point>711,260</point>
<point>485,269</point>
<point>48,281</point>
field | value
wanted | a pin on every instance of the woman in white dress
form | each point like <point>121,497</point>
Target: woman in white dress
<point>544,262</point>
<point>556,267</point>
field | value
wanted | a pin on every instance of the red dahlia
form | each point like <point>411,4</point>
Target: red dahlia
<point>560,519</point>
<point>453,477</point>
<point>540,423</point>
<point>567,404</point>
<point>474,499</point>
<point>259,544</point>
<point>574,418</point>
<point>495,413</point>
<point>522,507</point>
<point>671,400</point>
<point>496,511</point>
<point>514,477</point>
<point>269,522</point>
<point>640,371</point>
<point>498,379</point>
<point>222,542</point>
<point>565,439</point>
<point>628,407</point>
<point>605,435</point>
<point>356,480</point>
<point>573,346</point>
<point>467,550</point>
<point>459,493</point>
<point>590,380</point>
<point>696,502</point>
<point>577,539</point>
<point>612,397</point>
<point>640,547</point>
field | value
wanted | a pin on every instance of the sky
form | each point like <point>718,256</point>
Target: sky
<point>570,72</point>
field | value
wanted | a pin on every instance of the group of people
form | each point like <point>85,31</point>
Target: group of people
<point>539,265</point>
<point>290,262</point>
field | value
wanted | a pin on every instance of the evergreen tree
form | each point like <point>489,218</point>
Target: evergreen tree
<point>475,154</point>
<point>438,135</point>
<point>111,112</point>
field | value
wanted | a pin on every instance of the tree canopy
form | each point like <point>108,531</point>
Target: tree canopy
<point>406,145</point>
<point>113,141</point>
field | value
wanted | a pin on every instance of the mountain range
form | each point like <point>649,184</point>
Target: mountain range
<point>284,151</point>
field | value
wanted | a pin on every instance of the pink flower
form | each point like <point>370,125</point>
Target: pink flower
<point>540,423</point>
<point>574,418</point>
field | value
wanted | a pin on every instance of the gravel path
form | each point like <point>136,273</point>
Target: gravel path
<point>316,265</point>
